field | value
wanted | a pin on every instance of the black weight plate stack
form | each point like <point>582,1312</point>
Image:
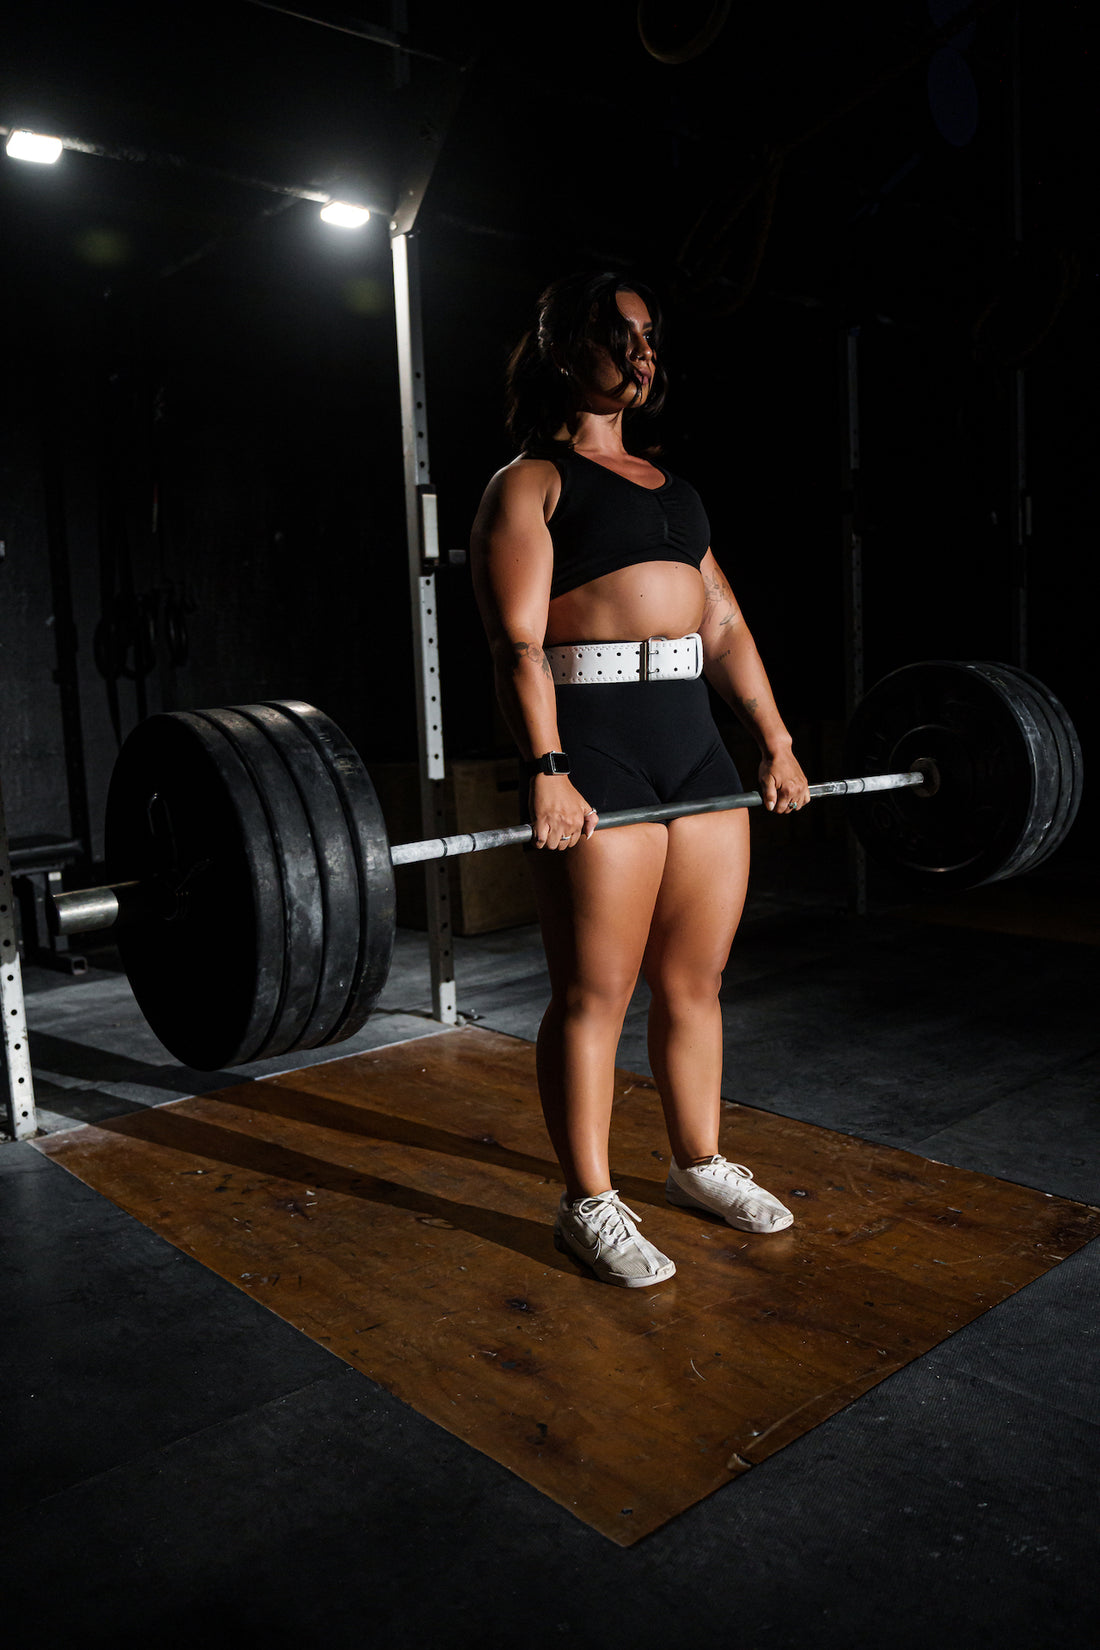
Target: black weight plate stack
<point>1041,753</point>
<point>1001,797</point>
<point>371,852</point>
<point>304,917</point>
<point>1051,714</point>
<point>334,893</point>
<point>245,820</point>
<point>184,816</point>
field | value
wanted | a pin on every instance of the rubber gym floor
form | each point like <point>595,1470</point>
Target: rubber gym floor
<point>184,1467</point>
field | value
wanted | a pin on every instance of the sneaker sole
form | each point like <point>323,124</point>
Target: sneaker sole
<point>608,1277</point>
<point>683,1200</point>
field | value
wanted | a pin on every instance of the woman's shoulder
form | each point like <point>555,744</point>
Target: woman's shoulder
<point>528,485</point>
<point>529,475</point>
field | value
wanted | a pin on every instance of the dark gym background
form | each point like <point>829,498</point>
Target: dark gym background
<point>201,499</point>
<point>201,503</point>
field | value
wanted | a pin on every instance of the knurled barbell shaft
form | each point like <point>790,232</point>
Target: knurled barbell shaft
<point>474,842</point>
<point>87,910</point>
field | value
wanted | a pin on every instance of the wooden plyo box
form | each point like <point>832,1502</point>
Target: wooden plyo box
<point>489,890</point>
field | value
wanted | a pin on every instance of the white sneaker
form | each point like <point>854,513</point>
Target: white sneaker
<point>727,1189</point>
<point>601,1232</point>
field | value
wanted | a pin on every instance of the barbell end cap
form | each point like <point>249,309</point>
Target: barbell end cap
<point>82,911</point>
<point>926,766</point>
<point>90,910</point>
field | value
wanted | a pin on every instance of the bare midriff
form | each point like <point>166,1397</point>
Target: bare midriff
<point>652,598</point>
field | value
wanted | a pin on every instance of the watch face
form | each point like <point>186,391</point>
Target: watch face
<point>550,762</point>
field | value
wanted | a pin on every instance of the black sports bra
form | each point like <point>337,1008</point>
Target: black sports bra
<point>603,522</point>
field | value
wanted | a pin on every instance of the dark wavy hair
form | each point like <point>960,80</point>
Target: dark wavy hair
<point>575,314</point>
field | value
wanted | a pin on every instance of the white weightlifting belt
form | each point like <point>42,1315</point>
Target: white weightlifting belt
<point>655,660</point>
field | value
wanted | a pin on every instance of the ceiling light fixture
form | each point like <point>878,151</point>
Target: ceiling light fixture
<point>22,145</point>
<point>344,214</point>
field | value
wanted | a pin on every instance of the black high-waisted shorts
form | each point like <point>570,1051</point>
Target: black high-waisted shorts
<point>637,744</point>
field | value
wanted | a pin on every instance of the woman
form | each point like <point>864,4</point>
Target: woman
<point>604,609</point>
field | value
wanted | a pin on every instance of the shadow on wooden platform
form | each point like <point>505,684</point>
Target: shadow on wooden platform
<point>397,1206</point>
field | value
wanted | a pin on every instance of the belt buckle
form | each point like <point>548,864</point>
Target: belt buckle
<point>649,664</point>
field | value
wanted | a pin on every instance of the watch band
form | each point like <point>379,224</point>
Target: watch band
<point>550,762</point>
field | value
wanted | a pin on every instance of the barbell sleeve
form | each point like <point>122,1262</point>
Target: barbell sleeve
<point>475,842</point>
<point>87,910</point>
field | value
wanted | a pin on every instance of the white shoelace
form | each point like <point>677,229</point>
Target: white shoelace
<point>607,1220</point>
<point>728,1171</point>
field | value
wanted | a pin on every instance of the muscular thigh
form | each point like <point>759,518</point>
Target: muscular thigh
<point>701,896</point>
<point>595,905</point>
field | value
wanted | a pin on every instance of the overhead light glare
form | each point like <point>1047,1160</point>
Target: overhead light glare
<point>344,214</point>
<point>33,146</point>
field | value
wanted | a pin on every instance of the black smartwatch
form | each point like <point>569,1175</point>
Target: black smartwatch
<point>551,762</point>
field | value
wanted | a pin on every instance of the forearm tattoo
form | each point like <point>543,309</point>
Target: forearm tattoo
<point>529,650</point>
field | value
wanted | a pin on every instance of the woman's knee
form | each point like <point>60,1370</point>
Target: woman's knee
<point>605,999</point>
<point>682,990</point>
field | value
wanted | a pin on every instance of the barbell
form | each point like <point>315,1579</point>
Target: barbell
<point>254,891</point>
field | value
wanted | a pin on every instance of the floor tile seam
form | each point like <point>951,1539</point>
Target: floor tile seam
<point>514,986</point>
<point>129,1463</point>
<point>1044,1074</point>
<point>1045,1400</point>
<point>919,1150</point>
<point>474,991</point>
<point>945,1137</point>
